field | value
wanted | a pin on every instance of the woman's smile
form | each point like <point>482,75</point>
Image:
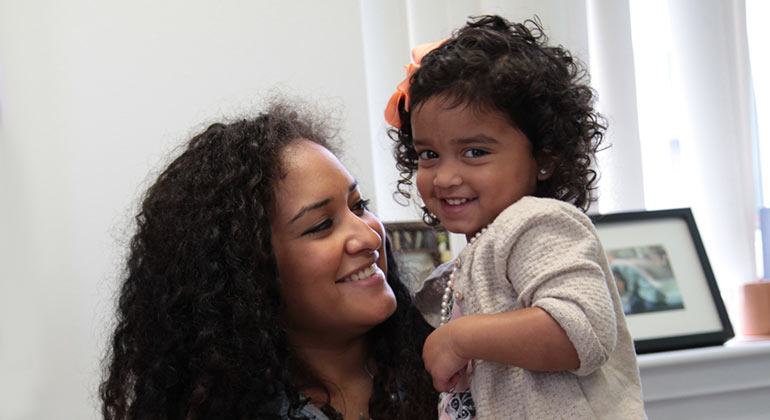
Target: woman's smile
<point>367,273</point>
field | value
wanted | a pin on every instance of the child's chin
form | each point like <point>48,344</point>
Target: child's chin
<point>459,227</point>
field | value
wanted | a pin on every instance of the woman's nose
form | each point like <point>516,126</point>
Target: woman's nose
<point>365,235</point>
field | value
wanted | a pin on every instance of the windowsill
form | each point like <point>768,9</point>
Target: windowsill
<point>708,382</point>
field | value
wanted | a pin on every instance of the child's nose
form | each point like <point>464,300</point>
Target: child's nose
<point>364,236</point>
<point>447,176</point>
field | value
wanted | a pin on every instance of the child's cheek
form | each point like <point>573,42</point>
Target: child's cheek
<point>424,184</point>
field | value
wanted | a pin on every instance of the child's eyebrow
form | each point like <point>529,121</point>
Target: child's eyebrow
<point>479,139</point>
<point>464,141</point>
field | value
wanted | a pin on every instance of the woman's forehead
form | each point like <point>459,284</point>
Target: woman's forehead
<point>311,172</point>
<point>307,161</point>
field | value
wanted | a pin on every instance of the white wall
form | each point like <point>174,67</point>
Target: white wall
<point>93,95</point>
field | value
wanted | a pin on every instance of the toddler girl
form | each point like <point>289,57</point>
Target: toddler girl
<point>500,130</point>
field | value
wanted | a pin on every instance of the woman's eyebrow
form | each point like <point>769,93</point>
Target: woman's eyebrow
<point>319,204</point>
<point>310,207</point>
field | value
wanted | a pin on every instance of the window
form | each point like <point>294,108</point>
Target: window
<point>758,33</point>
<point>694,90</point>
<point>659,106</point>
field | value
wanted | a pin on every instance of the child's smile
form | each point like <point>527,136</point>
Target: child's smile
<point>472,164</point>
<point>456,206</point>
<point>455,201</point>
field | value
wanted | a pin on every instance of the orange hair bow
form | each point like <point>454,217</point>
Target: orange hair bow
<point>402,90</point>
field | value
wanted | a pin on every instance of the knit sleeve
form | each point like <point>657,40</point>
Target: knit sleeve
<point>553,264</point>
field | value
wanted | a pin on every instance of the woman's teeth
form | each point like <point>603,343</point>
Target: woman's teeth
<point>456,201</point>
<point>361,274</point>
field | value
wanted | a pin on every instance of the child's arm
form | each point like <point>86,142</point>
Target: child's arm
<point>528,338</point>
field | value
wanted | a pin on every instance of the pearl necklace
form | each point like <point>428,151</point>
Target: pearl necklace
<point>446,299</point>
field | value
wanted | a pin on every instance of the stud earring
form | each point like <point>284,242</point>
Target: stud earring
<point>543,171</point>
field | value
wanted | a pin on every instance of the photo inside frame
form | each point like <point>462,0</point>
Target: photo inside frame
<point>645,279</point>
<point>664,279</point>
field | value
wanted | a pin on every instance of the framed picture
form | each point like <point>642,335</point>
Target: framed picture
<point>419,249</point>
<point>669,294</point>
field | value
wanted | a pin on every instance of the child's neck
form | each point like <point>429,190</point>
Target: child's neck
<point>472,237</point>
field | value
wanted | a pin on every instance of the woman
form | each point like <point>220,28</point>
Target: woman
<point>259,285</point>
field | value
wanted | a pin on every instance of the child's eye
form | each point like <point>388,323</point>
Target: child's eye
<point>361,206</point>
<point>427,154</point>
<point>473,153</point>
<point>326,224</point>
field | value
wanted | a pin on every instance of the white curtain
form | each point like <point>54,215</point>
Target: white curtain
<point>612,75</point>
<point>711,56</point>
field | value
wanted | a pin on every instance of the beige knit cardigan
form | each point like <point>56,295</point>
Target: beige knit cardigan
<point>546,253</point>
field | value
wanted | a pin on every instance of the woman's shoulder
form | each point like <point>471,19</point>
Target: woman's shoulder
<point>313,413</point>
<point>280,407</point>
<point>428,298</point>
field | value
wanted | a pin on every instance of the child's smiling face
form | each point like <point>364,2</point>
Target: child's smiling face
<point>472,164</point>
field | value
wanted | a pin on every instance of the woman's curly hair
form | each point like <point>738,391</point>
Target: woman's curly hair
<point>492,64</point>
<point>197,332</point>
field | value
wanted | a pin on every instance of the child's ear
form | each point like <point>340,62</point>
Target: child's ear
<point>545,170</point>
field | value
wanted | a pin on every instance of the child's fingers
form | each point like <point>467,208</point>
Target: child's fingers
<point>453,380</point>
<point>442,385</point>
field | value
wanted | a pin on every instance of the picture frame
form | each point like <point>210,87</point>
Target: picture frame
<point>669,293</point>
<point>419,249</point>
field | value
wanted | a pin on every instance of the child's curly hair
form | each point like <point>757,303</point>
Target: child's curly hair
<point>492,64</point>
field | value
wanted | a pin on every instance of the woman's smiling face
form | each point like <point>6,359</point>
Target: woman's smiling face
<point>329,248</point>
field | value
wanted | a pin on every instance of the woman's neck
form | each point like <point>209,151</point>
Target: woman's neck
<point>341,367</point>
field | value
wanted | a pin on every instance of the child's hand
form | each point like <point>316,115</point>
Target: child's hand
<point>441,359</point>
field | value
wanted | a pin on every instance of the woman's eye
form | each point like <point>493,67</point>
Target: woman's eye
<point>326,224</point>
<point>473,153</point>
<point>427,154</point>
<point>361,205</point>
